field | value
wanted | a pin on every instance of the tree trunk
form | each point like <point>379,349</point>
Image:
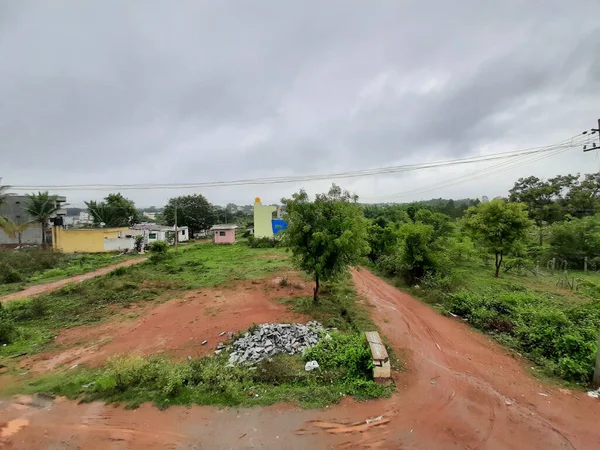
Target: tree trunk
<point>316,290</point>
<point>498,263</point>
<point>20,238</point>
<point>541,236</point>
<point>43,235</point>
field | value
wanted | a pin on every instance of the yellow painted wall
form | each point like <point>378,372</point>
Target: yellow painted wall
<point>263,215</point>
<point>88,241</point>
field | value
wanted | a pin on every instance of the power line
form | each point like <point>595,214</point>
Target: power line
<point>575,141</point>
<point>492,170</point>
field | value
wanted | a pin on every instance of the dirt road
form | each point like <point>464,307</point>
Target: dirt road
<point>47,287</point>
<point>460,390</point>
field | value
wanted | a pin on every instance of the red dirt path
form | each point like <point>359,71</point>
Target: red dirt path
<point>460,390</point>
<point>177,327</point>
<point>47,287</point>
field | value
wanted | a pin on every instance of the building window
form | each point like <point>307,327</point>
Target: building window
<point>152,236</point>
<point>222,233</point>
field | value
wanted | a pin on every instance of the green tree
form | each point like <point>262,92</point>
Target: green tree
<point>114,211</point>
<point>382,238</point>
<point>3,189</point>
<point>14,230</point>
<point>325,236</point>
<point>544,199</point>
<point>41,207</point>
<point>583,199</point>
<point>498,226</point>
<point>576,239</point>
<point>193,211</point>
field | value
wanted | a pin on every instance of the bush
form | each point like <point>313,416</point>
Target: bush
<point>8,330</point>
<point>347,353</point>
<point>561,338</point>
<point>159,251</point>
<point>264,242</point>
<point>9,275</point>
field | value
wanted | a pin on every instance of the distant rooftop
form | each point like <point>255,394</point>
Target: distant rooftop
<point>224,227</point>
<point>154,227</point>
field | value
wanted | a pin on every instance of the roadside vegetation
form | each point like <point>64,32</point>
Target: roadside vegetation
<point>25,267</point>
<point>512,267</point>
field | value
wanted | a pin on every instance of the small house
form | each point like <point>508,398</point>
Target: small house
<point>224,234</point>
<point>153,232</point>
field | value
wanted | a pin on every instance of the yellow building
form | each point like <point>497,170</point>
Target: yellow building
<point>263,216</point>
<point>96,240</point>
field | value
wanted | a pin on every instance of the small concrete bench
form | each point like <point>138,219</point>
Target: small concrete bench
<point>381,360</point>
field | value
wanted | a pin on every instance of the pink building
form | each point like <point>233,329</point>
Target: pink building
<point>224,234</point>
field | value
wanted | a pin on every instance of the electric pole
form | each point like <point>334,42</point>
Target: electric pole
<point>593,131</point>
<point>596,379</point>
<point>176,232</point>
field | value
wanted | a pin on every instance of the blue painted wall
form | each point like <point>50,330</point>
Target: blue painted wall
<point>278,225</point>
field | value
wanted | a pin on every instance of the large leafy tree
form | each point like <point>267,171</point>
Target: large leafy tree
<point>193,211</point>
<point>498,226</point>
<point>544,199</point>
<point>41,207</point>
<point>583,199</point>
<point>576,239</point>
<point>326,236</point>
<point>114,211</point>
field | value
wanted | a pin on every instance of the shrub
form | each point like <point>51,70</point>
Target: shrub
<point>159,251</point>
<point>9,275</point>
<point>8,330</point>
<point>263,242</point>
<point>348,353</point>
<point>561,338</point>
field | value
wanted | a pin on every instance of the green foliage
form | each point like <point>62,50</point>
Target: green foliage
<point>576,239</point>
<point>325,236</point>
<point>561,337</point>
<point>8,330</point>
<point>347,354</point>
<point>263,242</point>
<point>41,207</point>
<point>381,238</point>
<point>159,251</point>
<point>114,211</point>
<point>497,226</point>
<point>419,253</point>
<point>193,211</point>
<point>210,380</point>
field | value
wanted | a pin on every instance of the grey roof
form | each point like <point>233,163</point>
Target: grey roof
<point>224,227</point>
<point>154,227</point>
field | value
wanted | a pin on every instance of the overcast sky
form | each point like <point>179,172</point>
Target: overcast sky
<point>193,91</point>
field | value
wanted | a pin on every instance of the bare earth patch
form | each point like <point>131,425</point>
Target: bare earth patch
<point>176,327</point>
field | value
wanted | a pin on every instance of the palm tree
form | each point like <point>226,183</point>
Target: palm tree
<point>41,207</point>
<point>3,190</point>
<point>14,230</point>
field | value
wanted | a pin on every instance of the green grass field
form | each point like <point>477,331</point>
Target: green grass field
<point>67,266</point>
<point>552,322</point>
<point>206,380</point>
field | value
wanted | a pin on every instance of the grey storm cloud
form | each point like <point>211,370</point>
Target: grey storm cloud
<point>159,91</point>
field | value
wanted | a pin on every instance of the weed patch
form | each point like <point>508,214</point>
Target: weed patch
<point>211,381</point>
<point>338,307</point>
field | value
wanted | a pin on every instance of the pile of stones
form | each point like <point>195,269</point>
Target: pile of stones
<point>270,339</point>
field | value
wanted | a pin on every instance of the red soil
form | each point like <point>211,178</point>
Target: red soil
<point>177,327</point>
<point>460,390</point>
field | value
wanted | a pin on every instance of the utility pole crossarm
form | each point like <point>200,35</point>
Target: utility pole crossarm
<point>594,130</point>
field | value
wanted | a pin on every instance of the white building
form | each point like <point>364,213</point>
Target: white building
<point>153,232</point>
